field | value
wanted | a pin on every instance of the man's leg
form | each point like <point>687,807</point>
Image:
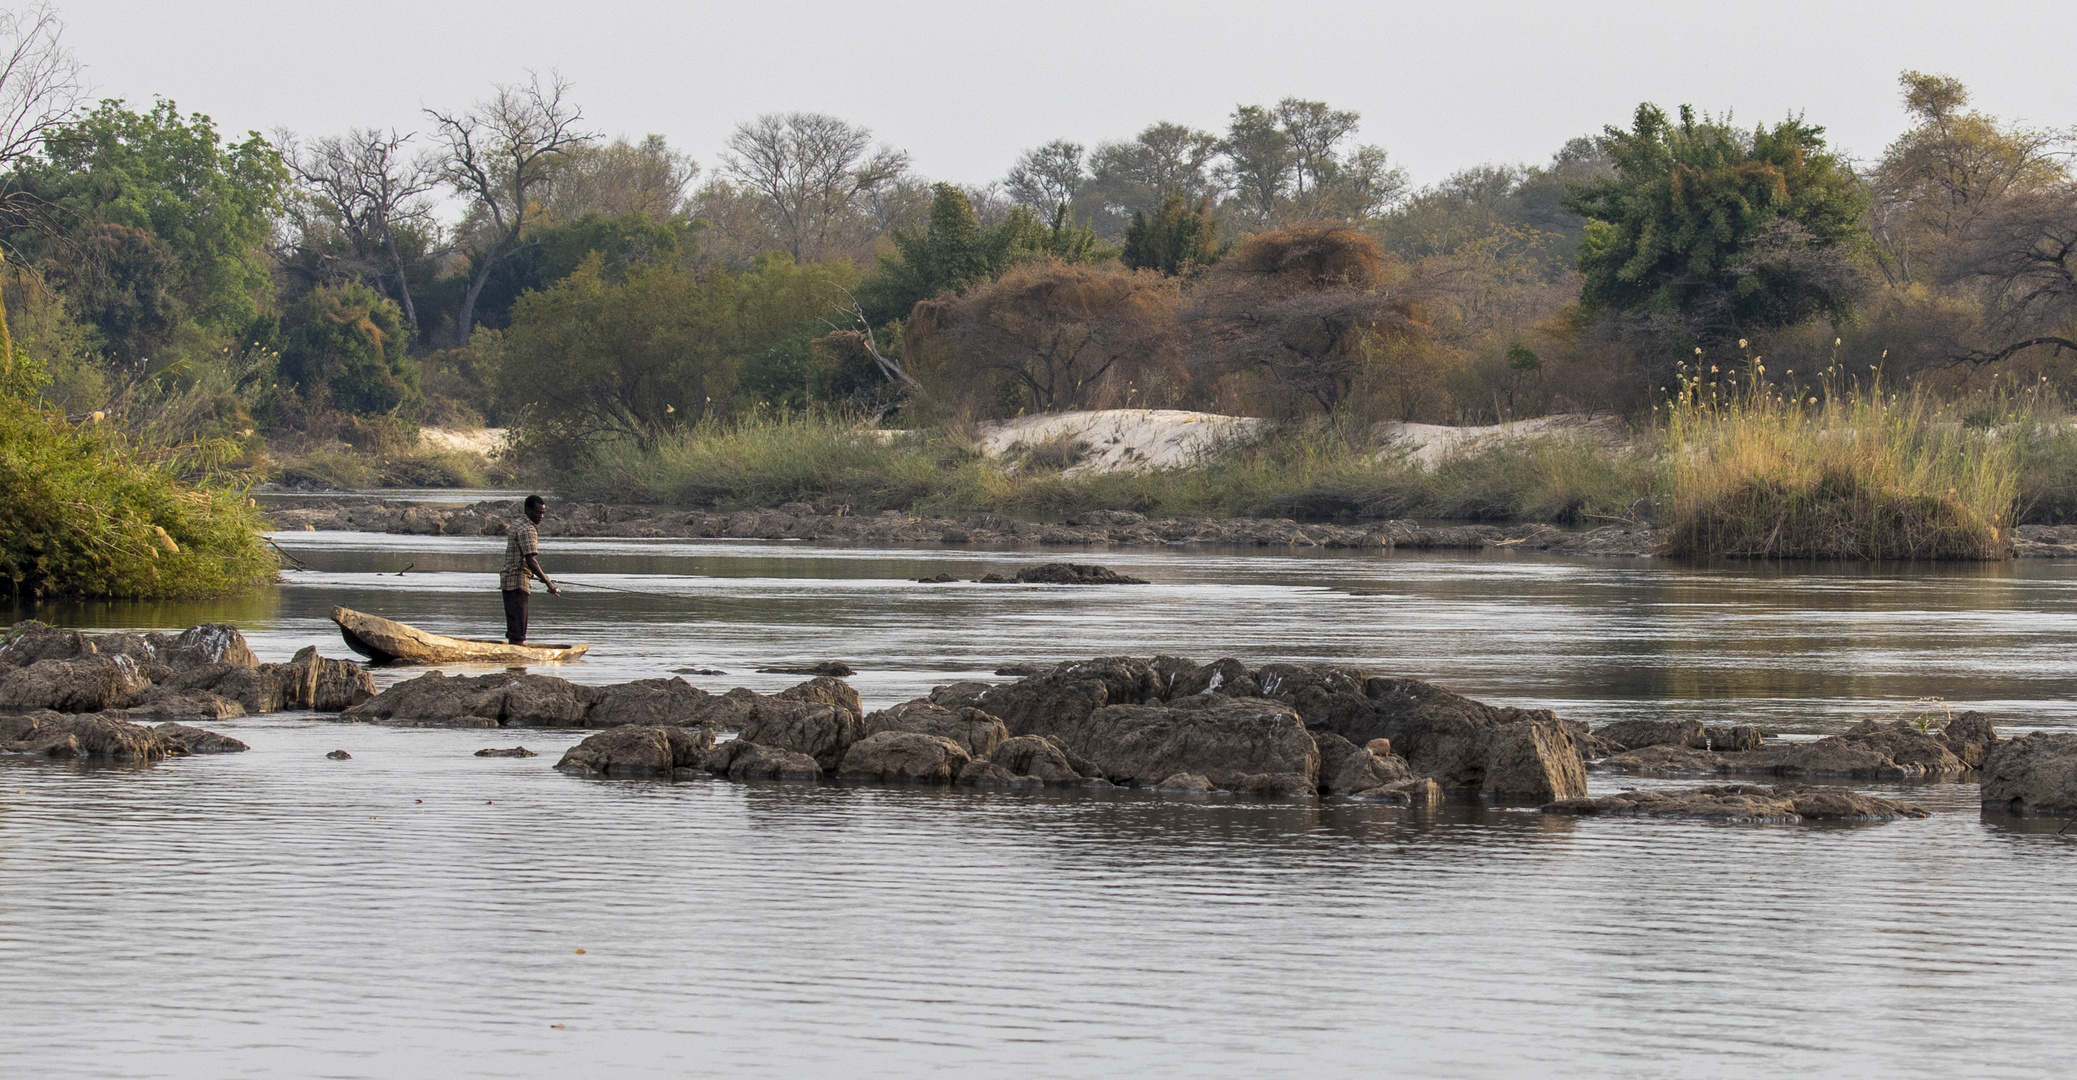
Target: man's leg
<point>515,616</point>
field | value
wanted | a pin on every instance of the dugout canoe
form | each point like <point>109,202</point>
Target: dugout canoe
<point>387,641</point>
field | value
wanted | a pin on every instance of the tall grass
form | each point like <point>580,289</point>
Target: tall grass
<point>1843,472</point>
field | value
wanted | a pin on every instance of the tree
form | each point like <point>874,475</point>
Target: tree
<point>1306,308</point>
<point>362,187</point>
<point>153,211</point>
<point>1179,238</point>
<point>1260,159</point>
<point>645,179</point>
<point>1046,179</point>
<point>1726,230</point>
<point>2024,260</point>
<point>813,170</point>
<point>501,154</point>
<point>1949,174</point>
<point>1165,159</point>
<point>1057,335</point>
<point>955,251</point>
<point>345,346</point>
<point>39,92</point>
<point>1315,132</point>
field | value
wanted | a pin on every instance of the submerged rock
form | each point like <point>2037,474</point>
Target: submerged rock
<point>2035,773</point>
<point>510,751</point>
<point>340,755</point>
<point>544,701</point>
<point>160,703</point>
<point>1743,803</point>
<point>638,750</point>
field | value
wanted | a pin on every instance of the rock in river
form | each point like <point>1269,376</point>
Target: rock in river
<point>90,683</point>
<point>638,750</point>
<point>738,759</point>
<point>59,735</point>
<point>2035,773</point>
<point>194,740</point>
<point>1743,803</point>
<point>904,757</point>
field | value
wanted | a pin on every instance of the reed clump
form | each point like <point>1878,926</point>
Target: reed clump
<point>1838,470</point>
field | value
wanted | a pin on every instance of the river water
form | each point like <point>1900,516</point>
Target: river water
<point>420,912</point>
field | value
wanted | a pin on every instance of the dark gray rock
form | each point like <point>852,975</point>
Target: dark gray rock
<point>1061,573</point>
<point>194,740</point>
<point>88,683</point>
<point>340,755</point>
<point>638,750</point>
<point>256,690</point>
<point>159,703</point>
<point>823,732</point>
<point>1346,768</point>
<point>834,668</point>
<point>981,772</point>
<point>1742,803</point>
<point>510,751</point>
<point>824,690</point>
<point>437,700</point>
<point>321,684</point>
<point>209,643</point>
<point>738,759</point>
<point>1638,734</point>
<point>1238,744</point>
<point>65,735</point>
<point>1040,758</point>
<point>650,702</point>
<point>976,732</point>
<point>1415,791</point>
<point>2032,774</point>
<point>1969,737</point>
<point>1186,782</point>
<point>906,757</point>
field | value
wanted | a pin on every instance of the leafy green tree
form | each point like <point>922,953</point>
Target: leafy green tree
<point>158,223</point>
<point>1176,240</point>
<point>955,252</point>
<point>345,345</point>
<point>1725,229</point>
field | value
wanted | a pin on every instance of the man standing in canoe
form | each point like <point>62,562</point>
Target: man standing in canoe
<point>522,564</point>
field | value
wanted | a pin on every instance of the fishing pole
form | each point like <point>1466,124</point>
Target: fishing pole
<point>610,588</point>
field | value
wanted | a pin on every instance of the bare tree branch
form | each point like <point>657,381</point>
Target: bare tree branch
<point>813,169</point>
<point>497,154</point>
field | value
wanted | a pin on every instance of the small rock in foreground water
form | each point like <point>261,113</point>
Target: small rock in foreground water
<point>339,755</point>
<point>515,751</point>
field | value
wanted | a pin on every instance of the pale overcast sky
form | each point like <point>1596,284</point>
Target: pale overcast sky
<point>965,86</point>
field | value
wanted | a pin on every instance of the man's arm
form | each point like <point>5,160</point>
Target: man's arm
<point>533,565</point>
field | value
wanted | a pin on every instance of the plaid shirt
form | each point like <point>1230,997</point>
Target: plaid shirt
<point>521,540</point>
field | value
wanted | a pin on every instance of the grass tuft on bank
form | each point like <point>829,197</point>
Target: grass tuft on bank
<point>1840,472</point>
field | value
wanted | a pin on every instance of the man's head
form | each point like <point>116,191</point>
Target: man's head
<point>536,508</point>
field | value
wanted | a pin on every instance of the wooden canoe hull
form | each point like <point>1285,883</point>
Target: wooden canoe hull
<point>386,641</point>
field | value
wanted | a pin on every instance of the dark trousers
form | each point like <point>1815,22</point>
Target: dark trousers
<point>515,615</point>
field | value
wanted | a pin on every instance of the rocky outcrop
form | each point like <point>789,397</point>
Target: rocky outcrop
<point>1742,803</point>
<point>638,750</point>
<point>255,689</point>
<point>738,759</point>
<point>2032,774</point>
<point>825,689</point>
<point>1969,737</point>
<point>904,757</point>
<point>193,740</point>
<point>90,683</point>
<point>975,732</point>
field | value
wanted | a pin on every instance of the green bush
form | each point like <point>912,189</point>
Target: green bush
<point>85,516</point>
